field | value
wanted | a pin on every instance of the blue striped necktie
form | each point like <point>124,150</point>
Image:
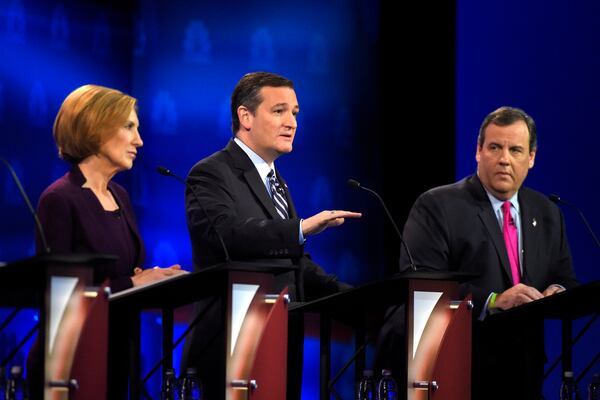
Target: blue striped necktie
<point>278,195</point>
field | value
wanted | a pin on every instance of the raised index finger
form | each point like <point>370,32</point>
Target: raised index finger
<point>347,214</point>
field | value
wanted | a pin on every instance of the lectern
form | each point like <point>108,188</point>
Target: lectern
<point>565,306</point>
<point>438,330</point>
<point>73,320</point>
<point>255,322</point>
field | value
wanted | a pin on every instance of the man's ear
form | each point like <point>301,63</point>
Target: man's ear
<point>245,117</point>
<point>532,159</point>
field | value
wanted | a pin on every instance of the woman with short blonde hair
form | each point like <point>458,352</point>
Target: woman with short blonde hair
<point>96,130</point>
<point>84,211</point>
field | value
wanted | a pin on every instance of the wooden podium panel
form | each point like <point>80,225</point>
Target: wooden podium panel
<point>76,365</point>
<point>272,351</point>
<point>438,341</point>
<point>258,364</point>
<point>455,382</point>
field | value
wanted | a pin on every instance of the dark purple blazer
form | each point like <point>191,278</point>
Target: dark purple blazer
<point>75,222</point>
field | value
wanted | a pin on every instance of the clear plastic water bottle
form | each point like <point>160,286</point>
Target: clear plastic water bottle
<point>15,386</point>
<point>388,388</point>
<point>190,388</point>
<point>169,385</point>
<point>366,390</point>
<point>594,388</point>
<point>568,388</point>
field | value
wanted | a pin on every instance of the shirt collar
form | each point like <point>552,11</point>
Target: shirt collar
<point>497,204</point>
<point>261,165</point>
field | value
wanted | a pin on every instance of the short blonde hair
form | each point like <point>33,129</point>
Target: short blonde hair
<point>88,117</point>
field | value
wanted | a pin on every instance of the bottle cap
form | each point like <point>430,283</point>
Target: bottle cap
<point>170,371</point>
<point>16,370</point>
<point>191,371</point>
<point>386,372</point>
<point>368,372</point>
<point>568,374</point>
<point>596,378</point>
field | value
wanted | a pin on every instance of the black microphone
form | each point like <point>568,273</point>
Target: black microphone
<point>167,172</point>
<point>355,184</point>
<point>556,199</point>
<point>31,209</point>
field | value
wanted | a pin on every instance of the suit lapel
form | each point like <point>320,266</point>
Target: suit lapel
<point>489,220</point>
<point>260,191</point>
<point>529,221</point>
<point>243,162</point>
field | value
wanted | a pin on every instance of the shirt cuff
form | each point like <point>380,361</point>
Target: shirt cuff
<point>484,311</point>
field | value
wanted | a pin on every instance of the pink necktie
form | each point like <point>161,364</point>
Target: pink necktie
<point>511,240</point>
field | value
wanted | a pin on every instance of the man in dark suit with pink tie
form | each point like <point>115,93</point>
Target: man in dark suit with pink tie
<point>513,238</point>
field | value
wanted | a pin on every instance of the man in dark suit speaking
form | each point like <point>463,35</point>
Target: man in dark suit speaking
<point>250,203</point>
<point>512,237</point>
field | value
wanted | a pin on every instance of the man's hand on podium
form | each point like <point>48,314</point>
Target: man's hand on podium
<point>517,295</point>
<point>553,289</point>
<point>150,275</point>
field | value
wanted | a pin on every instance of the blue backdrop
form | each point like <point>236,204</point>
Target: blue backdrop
<point>181,59</point>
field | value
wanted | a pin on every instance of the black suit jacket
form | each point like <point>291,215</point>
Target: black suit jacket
<point>234,196</point>
<point>453,228</point>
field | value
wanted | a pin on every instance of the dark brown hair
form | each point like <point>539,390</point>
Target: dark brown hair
<point>247,93</point>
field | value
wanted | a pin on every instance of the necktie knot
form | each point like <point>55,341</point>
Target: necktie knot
<point>506,213</point>
<point>506,207</point>
<point>275,182</point>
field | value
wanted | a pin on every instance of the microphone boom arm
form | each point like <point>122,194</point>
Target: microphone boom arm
<point>356,184</point>
<point>557,199</point>
<point>31,209</point>
<point>167,172</point>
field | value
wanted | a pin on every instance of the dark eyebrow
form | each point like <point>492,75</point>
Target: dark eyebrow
<point>516,146</point>
<point>285,105</point>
